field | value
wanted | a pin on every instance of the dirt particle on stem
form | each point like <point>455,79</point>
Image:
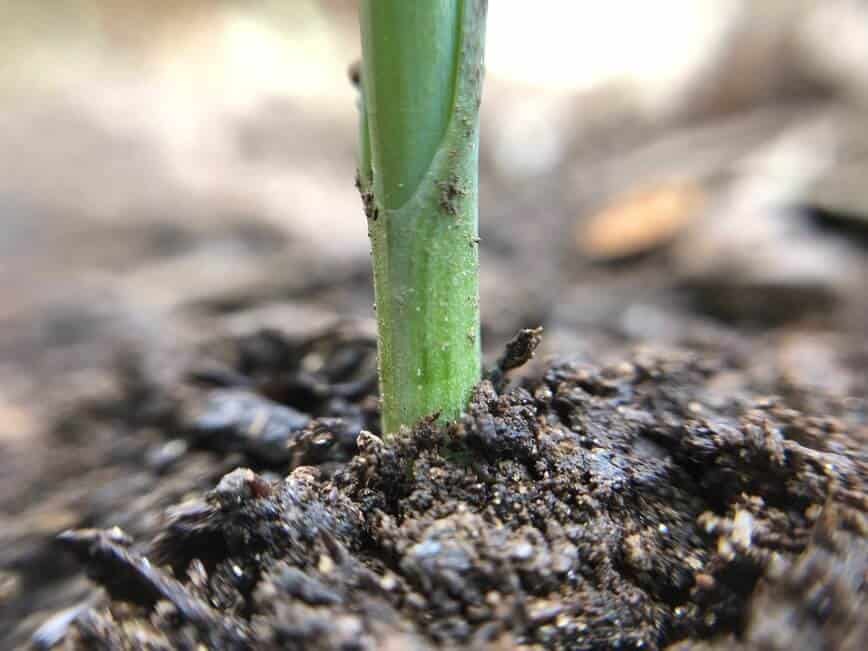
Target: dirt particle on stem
<point>371,210</point>
<point>355,74</point>
<point>451,194</point>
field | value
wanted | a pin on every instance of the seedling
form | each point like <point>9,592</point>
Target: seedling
<point>421,84</point>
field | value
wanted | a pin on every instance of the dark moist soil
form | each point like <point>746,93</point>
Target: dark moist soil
<point>665,500</point>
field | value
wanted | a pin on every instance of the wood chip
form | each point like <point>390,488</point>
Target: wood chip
<point>640,221</point>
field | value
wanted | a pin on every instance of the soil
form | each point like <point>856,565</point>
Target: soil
<point>657,501</point>
<point>692,476</point>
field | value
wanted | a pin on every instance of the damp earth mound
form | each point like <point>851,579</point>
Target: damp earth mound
<point>650,503</point>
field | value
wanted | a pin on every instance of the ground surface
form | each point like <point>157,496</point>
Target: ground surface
<point>663,498</point>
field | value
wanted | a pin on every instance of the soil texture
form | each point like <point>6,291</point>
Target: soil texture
<point>659,501</point>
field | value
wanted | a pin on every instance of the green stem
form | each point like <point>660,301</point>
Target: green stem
<point>421,86</point>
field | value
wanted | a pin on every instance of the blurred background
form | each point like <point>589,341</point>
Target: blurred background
<point>681,172</point>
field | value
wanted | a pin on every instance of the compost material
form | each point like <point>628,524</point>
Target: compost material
<point>649,503</point>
